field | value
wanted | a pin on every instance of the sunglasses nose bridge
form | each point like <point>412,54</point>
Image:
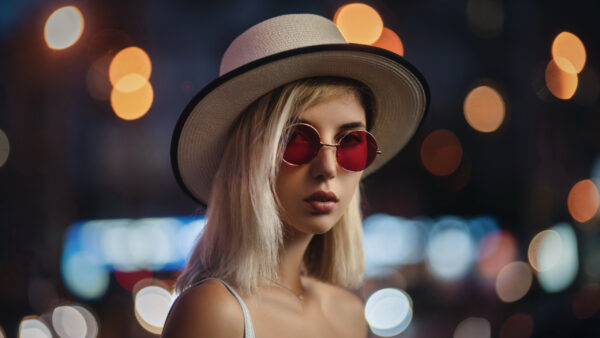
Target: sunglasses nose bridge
<point>327,161</point>
<point>334,146</point>
<point>330,145</point>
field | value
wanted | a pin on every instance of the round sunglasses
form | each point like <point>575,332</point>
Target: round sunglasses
<point>355,151</point>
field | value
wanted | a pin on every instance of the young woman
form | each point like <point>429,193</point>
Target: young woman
<point>278,145</point>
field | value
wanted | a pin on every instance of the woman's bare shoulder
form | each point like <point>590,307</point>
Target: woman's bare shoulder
<point>206,310</point>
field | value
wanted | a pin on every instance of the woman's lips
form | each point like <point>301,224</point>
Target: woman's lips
<point>320,206</point>
<point>321,201</point>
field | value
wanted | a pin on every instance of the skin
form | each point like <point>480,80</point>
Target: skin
<point>210,310</point>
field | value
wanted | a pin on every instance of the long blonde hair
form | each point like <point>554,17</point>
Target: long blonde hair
<point>244,233</point>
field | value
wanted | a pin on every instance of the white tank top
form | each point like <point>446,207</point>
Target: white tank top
<point>248,329</point>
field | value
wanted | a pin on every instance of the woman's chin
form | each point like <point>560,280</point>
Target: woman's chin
<point>316,225</point>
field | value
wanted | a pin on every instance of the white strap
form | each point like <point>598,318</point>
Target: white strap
<point>248,329</point>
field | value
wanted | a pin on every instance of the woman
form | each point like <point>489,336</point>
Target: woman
<point>277,145</point>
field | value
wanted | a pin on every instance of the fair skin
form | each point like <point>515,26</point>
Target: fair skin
<point>210,310</point>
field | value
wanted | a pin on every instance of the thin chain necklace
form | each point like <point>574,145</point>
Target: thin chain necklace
<point>299,295</point>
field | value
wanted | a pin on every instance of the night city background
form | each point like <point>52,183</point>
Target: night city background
<point>485,225</point>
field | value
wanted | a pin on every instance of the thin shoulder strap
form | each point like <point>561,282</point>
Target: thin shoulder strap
<point>248,329</point>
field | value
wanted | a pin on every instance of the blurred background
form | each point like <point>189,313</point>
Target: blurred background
<point>486,225</point>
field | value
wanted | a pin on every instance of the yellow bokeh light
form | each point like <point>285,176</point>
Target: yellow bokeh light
<point>561,84</point>
<point>63,27</point>
<point>4,148</point>
<point>545,250</point>
<point>390,41</point>
<point>127,61</point>
<point>130,83</point>
<point>583,201</point>
<point>441,152</point>
<point>513,281</point>
<point>359,23</point>
<point>568,46</point>
<point>132,105</point>
<point>484,109</point>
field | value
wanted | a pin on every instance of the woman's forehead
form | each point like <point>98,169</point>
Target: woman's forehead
<point>344,110</point>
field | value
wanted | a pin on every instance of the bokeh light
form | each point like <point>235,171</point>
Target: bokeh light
<point>131,60</point>
<point>132,105</point>
<point>63,27</point>
<point>359,23</point>
<point>388,312</point>
<point>485,17</point>
<point>484,109</point>
<point>519,325</point>
<point>545,250</point>
<point>391,41</point>
<point>4,148</point>
<point>132,94</point>
<point>84,275</point>
<point>564,271</point>
<point>68,322</point>
<point>561,84</point>
<point>441,152</point>
<point>188,235</point>
<point>513,281</point>
<point>568,46</point>
<point>473,327</point>
<point>141,244</point>
<point>495,251</point>
<point>481,227</point>
<point>94,248</point>
<point>583,200</point>
<point>91,323</point>
<point>34,327</point>
<point>130,83</point>
<point>391,241</point>
<point>2,333</point>
<point>586,302</point>
<point>450,251</point>
<point>152,304</point>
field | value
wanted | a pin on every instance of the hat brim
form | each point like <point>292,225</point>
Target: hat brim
<point>200,135</point>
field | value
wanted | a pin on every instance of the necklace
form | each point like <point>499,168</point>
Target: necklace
<point>299,295</point>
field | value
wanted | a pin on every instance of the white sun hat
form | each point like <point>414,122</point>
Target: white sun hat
<point>278,51</point>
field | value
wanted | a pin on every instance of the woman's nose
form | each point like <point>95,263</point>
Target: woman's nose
<point>324,165</point>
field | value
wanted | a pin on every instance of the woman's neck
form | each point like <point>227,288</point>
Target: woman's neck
<point>291,258</point>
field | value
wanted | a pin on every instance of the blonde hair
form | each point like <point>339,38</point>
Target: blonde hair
<point>244,233</point>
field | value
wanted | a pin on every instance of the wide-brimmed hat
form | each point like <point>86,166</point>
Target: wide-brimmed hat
<point>278,51</point>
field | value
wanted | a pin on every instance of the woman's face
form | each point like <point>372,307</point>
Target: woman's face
<point>298,187</point>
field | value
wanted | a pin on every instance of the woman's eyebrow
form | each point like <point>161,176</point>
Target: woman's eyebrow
<point>352,125</point>
<point>345,126</point>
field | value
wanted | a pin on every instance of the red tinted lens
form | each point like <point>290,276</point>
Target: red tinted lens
<point>357,150</point>
<point>303,145</point>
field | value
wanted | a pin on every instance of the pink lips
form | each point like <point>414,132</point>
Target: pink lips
<point>321,201</point>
